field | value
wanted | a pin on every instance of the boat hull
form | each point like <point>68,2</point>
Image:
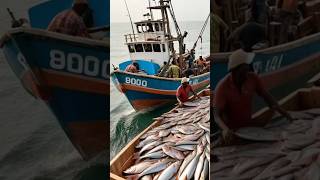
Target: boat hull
<point>146,91</point>
<point>62,71</point>
<point>283,68</point>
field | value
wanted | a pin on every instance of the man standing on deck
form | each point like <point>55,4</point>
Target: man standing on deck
<point>70,21</point>
<point>174,71</point>
<point>234,95</point>
<point>183,91</point>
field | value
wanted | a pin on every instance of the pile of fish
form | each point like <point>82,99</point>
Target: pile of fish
<point>281,150</point>
<point>178,148</point>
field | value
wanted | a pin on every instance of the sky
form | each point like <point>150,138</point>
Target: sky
<point>185,10</point>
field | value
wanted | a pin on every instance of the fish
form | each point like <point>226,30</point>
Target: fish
<point>146,177</point>
<point>188,173</point>
<point>187,129</point>
<point>205,170</point>
<point>149,146</point>
<point>159,147</point>
<point>180,145</point>
<point>184,147</point>
<point>257,134</point>
<point>154,155</point>
<point>204,127</point>
<point>199,167</point>
<point>186,142</point>
<point>138,168</point>
<point>170,171</point>
<point>156,167</point>
<point>252,162</point>
<point>148,140</point>
<point>186,161</point>
<point>172,152</point>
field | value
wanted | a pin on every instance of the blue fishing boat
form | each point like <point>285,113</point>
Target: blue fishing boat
<point>150,47</point>
<point>70,74</point>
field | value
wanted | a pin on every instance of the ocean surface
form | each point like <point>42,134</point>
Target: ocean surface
<point>33,146</point>
<point>125,123</point>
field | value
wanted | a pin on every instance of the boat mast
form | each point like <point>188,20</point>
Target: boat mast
<point>166,24</point>
<point>180,37</point>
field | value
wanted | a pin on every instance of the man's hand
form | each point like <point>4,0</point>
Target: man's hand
<point>181,104</point>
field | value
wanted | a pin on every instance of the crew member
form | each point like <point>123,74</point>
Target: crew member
<point>201,64</point>
<point>174,71</point>
<point>70,21</point>
<point>133,68</point>
<point>183,91</point>
<point>234,95</point>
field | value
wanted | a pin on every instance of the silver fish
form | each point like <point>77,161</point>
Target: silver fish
<point>205,171</point>
<point>138,168</point>
<point>204,127</point>
<point>170,171</point>
<point>186,161</point>
<point>154,155</point>
<point>149,146</point>
<point>190,169</point>
<point>159,166</point>
<point>170,151</point>
<point>184,147</point>
<point>199,168</point>
<point>158,148</point>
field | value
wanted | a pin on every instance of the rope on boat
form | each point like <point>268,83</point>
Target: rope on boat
<point>201,32</point>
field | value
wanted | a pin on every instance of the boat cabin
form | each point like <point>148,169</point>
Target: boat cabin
<point>149,43</point>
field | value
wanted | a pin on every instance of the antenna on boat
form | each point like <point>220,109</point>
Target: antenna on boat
<point>151,14</point>
<point>129,16</point>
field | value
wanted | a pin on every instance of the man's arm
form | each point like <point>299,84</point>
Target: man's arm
<point>273,104</point>
<point>194,93</point>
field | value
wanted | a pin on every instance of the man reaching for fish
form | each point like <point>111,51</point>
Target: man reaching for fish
<point>183,92</point>
<point>234,95</point>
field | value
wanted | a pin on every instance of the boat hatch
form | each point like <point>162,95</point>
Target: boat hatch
<point>148,67</point>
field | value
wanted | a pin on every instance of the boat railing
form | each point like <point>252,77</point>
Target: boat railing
<point>149,36</point>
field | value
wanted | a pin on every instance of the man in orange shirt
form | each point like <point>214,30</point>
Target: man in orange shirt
<point>70,21</point>
<point>183,91</point>
<point>133,68</point>
<point>234,95</point>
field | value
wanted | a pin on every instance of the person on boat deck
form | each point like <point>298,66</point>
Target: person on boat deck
<point>183,92</point>
<point>201,63</point>
<point>248,35</point>
<point>234,95</point>
<point>70,21</point>
<point>133,68</point>
<point>163,67</point>
<point>191,58</point>
<point>174,71</point>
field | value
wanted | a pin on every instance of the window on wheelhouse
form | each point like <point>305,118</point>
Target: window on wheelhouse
<point>147,47</point>
<point>131,48</point>
<point>156,27</point>
<point>163,48</point>
<point>139,28</point>
<point>149,27</point>
<point>156,48</point>
<point>138,47</point>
